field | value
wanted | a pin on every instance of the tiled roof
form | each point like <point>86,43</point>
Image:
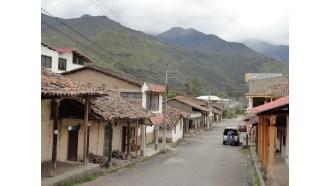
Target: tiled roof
<point>279,90</point>
<point>191,101</point>
<point>108,72</point>
<point>251,117</point>
<point>271,105</point>
<point>158,119</point>
<point>218,106</point>
<point>55,85</point>
<point>172,117</point>
<point>73,50</point>
<point>116,107</point>
<point>155,88</point>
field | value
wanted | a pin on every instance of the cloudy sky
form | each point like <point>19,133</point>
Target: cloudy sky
<point>231,20</point>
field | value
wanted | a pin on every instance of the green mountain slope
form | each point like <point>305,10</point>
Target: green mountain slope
<point>144,56</point>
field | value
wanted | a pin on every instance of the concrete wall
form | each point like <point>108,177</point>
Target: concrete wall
<point>53,54</point>
<point>179,131</point>
<point>69,64</point>
<point>98,78</point>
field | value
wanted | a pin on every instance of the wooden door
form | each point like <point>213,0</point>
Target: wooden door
<point>73,145</point>
<point>123,139</point>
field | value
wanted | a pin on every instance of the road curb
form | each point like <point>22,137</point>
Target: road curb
<point>255,164</point>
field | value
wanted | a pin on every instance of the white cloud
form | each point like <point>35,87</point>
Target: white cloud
<point>234,20</point>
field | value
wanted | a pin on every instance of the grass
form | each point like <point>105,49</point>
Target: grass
<point>130,165</point>
<point>256,177</point>
<point>82,179</point>
<point>246,150</point>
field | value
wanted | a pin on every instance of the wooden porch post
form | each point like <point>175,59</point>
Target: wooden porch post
<point>128,139</point>
<point>110,142</point>
<point>85,155</point>
<point>143,139</point>
<point>265,146</point>
<point>136,136</point>
<point>55,105</point>
<point>271,147</point>
<point>260,124</point>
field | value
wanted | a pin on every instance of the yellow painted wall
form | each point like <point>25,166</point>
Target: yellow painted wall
<point>116,137</point>
<point>96,138</point>
<point>46,130</point>
<point>98,78</point>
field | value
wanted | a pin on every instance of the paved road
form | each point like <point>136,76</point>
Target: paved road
<point>200,161</point>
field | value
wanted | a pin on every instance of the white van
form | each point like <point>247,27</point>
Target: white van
<point>234,140</point>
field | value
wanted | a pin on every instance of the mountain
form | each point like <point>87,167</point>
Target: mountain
<point>191,38</point>
<point>145,57</point>
<point>278,52</point>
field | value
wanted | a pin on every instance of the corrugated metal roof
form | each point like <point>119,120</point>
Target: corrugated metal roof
<point>271,105</point>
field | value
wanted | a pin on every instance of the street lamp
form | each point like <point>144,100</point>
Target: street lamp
<point>165,112</point>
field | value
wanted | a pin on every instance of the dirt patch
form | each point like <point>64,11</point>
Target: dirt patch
<point>61,167</point>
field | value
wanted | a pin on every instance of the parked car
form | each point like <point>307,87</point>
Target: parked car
<point>234,140</point>
<point>241,128</point>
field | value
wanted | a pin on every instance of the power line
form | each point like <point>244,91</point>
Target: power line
<point>78,33</point>
<point>114,13</point>
<point>74,40</point>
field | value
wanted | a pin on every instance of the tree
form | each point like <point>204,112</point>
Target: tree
<point>193,88</point>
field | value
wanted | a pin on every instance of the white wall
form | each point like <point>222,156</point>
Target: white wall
<point>69,65</point>
<point>51,53</point>
<point>144,99</point>
<point>179,133</point>
<point>55,55</point>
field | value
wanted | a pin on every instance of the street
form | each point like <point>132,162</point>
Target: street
<point>200,160</point>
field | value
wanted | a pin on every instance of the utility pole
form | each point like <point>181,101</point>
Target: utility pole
<point>165,112</point>
<point>165,126</point>
<point>209,115</point>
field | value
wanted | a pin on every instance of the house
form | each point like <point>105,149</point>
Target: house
<point>260,83</point>
<point>54,89</point>
<point>112,123</point>
<point>137,92</point>
<point>218,111</point>
<point>197,109</point>
<point>272,134</point>
<point>174,125</point>
<point>62,59</point>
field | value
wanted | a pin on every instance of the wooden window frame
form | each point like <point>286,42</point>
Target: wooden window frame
<point>62,62</point>
<point>46,65</point>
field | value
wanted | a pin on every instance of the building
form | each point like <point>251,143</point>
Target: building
<point>62,59</point>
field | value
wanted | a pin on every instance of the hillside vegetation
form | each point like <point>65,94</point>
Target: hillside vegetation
<point>144,56</point>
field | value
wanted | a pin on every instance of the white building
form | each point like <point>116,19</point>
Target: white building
<point>62,59</point>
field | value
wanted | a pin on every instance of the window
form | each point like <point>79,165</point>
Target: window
<point>77,60</point>
<point>61,64</point>
<point>46,61</point>
<point>152,102</point>
<point>131,96</point>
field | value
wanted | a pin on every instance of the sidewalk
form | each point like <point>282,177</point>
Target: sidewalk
<point>281,170</point>
<point>71,170</point>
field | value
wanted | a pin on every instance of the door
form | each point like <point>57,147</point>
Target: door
<point>73,145</point>
<point>123,139</point>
